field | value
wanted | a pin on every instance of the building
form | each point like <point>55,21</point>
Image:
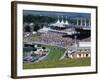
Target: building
<point>59,23</point>
<point>44,29</point>
<point>80,50</point>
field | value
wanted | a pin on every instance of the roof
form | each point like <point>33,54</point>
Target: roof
<point>84,44</point>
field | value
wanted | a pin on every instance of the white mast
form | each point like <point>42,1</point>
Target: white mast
<point>81,22</point>
<point>77,21</point>
<point>89,22</point>
<point>85,22</point>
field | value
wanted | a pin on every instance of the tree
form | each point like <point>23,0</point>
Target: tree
<point>39,19</point>
<point>28,18</point>
<point>27,29</point>
<point>36,27</point>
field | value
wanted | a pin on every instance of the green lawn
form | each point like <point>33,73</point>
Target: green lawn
<point>59,63</point>
<point>52,60</point>
<point>54,53</point>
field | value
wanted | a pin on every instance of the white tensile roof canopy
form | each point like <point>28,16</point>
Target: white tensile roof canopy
<point>44,29</point>
<point>60,24</point>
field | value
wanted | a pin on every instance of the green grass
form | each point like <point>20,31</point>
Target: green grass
<point>54,53</point>
<point>52,60</point>
<point>59,63</point>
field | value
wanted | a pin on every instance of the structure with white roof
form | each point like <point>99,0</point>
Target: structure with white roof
<point>60,23</point>
<point>82,50</point>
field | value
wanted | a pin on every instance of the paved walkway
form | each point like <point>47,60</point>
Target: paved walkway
<point>62,57</point>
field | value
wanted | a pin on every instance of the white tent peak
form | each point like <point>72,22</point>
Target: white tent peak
<point>44,29</point>
<point>62,23</point>
<point>66,22</point>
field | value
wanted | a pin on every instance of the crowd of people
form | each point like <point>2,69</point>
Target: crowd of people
<point>51,38</point>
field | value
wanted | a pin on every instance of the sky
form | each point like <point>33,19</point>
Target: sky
<point>52,13</point>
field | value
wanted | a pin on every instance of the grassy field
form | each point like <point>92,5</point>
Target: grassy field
<point>59,63</point>
<point>52,60</point>
<point>54,53</point>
